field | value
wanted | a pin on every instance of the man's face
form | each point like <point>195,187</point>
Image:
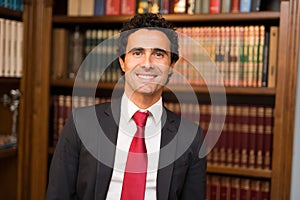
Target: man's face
<point>147,62</point>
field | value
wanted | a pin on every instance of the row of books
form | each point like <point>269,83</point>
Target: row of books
<point>235,188</point>
<point>12,4</point>
<point>244,56</point>
<point>61,109</point>
<point>11,48</point>
<point>246,135</point>
<point>131,7</point>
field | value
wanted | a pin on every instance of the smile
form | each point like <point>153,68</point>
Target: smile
<point>146,76</point>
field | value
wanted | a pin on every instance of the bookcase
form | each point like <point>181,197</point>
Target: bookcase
<point>9,151</point>
<point>36,123</point>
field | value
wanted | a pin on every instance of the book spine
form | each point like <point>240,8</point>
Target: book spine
<point>252,136</point>
<point>113,7</point>
<point>245,136</point>
<point>255,5</point>
<point>245,5</point>
<point>260,137</point>
<point>273,52</point>
<point>99,8</point>
<point>268,137</point>
<point>128,7</point>
<point>235,6</point>
<point>215,6</point>
<point>2,46</point>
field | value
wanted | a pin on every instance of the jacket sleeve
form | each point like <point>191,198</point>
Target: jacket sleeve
<point>195,180</point>
<point>64,164</point>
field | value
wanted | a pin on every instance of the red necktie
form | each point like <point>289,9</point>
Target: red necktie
<point>134,182</point>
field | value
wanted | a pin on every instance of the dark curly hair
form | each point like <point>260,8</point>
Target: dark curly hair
<point>152,22</point>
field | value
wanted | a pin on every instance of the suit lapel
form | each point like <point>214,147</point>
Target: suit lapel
<point>108,120</point>
<point>167,156</point>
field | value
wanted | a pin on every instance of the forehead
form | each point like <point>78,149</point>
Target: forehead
<point>145,38</point>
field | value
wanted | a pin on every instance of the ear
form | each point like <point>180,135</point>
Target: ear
<point>122,64</point>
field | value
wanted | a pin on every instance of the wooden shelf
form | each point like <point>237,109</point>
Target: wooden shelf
<point>263,91</point>
<point>176,18</point>
<point>10,14</point>
<point>9,80</point>
<point>11,152</point>
<point>258,173</point>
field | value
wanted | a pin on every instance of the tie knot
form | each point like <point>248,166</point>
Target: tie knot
<point>140,118</point>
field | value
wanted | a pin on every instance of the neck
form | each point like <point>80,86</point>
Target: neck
<point>143,101</point>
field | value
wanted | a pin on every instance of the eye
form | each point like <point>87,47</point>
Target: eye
<point>159,54</point>
<point>137,53</point>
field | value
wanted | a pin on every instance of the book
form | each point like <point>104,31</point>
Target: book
<point>273,56</point>
<point>226,6</point>
<point>245,5</point>
<point>252,136</point>
<point>164,6</point>
<point>215,6</point>
<point>255,5</point>
<point>205,6</point>
<point>2,46</point>
<point>19,50</point>
<point>99,8</point>
<point>265,48</point>
<point>235,6</point>
<point>74,7</point>
<point>260,137</point>
<point>268,137</point>
<point>87,7</point>
<point>59,56</point>
<point>113,7</point>
<point>128,7</point>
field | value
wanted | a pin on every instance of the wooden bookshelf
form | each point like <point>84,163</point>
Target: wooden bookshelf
<point>262,91</point>
<point>39,86</point>
<point>176,18</point>
<point>10,152</point>
<point>237,171</point>
<point>10,14</point>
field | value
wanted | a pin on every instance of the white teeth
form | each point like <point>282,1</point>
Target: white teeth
<point>146,76</point>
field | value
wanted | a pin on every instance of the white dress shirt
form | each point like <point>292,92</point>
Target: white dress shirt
<point>127,129</point>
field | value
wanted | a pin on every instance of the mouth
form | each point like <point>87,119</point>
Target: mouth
<point>146,76</point>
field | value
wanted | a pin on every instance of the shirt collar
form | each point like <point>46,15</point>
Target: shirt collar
<point>129,108</point>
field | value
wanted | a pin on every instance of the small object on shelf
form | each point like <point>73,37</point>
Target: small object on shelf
<point>12,102</point>
<point>8,141</point>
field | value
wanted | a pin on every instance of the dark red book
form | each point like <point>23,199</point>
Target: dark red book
<point>235,189</point>
<point>260,137</point>
<point>252,136</point>
<point>254,189</point>
<point>235,5</point>
<point>245,189</point>
<point>268,136</point>
<point>61,113</point>
<point>214,188</point>
<point>265,190</point>
<point>225,188</point>
<point>237,136</point>
<point>244,136</point>
<point>229,122</point>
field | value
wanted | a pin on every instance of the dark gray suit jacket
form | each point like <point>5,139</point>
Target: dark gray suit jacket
<point>76,171</point>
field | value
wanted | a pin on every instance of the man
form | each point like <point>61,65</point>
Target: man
<point>154,159</point>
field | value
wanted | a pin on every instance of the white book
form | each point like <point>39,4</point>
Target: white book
<point>74,7</point>
<point>19,50</point>
<point>7,44</point>
<point>13,47</point>
<point>86,8</point>
<point>1,47</point>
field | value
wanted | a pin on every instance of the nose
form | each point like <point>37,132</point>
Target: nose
<point>147,60</point>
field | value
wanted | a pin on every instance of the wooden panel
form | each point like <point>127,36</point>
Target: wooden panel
<point>32,180</point>
<point>8,174</point>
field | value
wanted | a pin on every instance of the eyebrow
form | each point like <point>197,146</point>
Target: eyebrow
<point>141,48</point>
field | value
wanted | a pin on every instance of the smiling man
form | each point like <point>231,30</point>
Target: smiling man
<point>155,154</point>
